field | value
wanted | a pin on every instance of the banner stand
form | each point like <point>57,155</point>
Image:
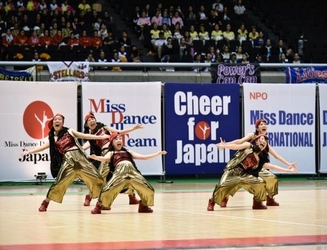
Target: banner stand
<point>163,176</point>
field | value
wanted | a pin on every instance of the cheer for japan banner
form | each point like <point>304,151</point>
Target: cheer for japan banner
<point>122,105</point>
<point>26,108</point>
<point>323,127</point>
<point>290,114</point>
<point>196,116</point>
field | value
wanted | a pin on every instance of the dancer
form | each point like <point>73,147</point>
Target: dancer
<point>125,175</point>
<point>68,161</point>
<point>100,148</point>
<point>270,178</point>
<point>242,171</point>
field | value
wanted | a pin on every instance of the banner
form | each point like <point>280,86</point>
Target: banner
<point>196,116</point>
<point>323,127</point>
<point>290,114</point>
<point>306,75</point>
<point>18,75</point>
<point>25,109</point>
<point>236,73</point>
<point>122,105</point>
<point>69,71</point>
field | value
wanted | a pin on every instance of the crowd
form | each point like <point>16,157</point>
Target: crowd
<point>217,31</point>
<point>61,30</point>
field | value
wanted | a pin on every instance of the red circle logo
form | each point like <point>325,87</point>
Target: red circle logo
<point>202,130</point>
<point>36,118</point>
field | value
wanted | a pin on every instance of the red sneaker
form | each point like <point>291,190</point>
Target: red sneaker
<point>96,209</point>
<point>271,202</point>
<point>211,205</point>
<point>44,206</point>
<point>87,201</point>
<point>224,202</point>
<point>144,209</point>
<point>258,205</point>
<point>132,199</point>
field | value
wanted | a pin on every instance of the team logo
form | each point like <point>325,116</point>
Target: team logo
<point>35,120</point>
<point>202,130</point>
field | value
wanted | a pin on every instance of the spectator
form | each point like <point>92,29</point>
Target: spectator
<point>21,39</point>
<point>36,58</point>
<point>203,34</point>
<point>96,41</point>
<point>253,34</point>
<point>34,40</point>
<point>228,34</point>
<point>202,15</point>
<point>191,16</point>
<point>157,18</point>
<point>166,31</point>
<point>85,40</point>
<point>226,54</point>
<point>242,33</point>
<point>216,33</point>
<point>103,32</point>
<point>239,10</point>
<point>218,5</point>
<point>245,58</point>
<point>177,19</point>
<point>102,59</point>
<point>73,40</point>
<point>260,41</point>
<point>239,54</point>
<point>193,33</point>
<point>266,51</point>
<point>84,6</point>
<point>124,39</point>
<point>57,38</point>
<point>53,5</point>
<point>142,23</point>
<point>166,19</point>
<point>197,59</point>
<point>45,40</point>
<point>177,32</point>
<point>297,58</point>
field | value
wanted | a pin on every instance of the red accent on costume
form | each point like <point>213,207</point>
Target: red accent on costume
<point>101,142</point>
<point>249,162</point>
<point>65,143</point>
<point>121,156</point>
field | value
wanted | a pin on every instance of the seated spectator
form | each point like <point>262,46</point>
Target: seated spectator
<point>226,16</point>
<point>21,39</point>
<point>65,6</point>
<point>168,48</point>
<point>157,47</point>
<point>103,32</point>
<point>20,5</point>
<point>184,48</point>
<point>202,16</point>
<point>253,34</point>
<point>239,10</point>
<point>203,34</point>
<point>216,33</point>
<point>142,23</point>
<point>123,53</point>
<point>166,31</point>
<point>239,54</point>
<point>208,59</point>
<point>228,34</point>
<point>166,19</point>
<point>177,32</point>
<point>7,40</point>
<point>197,59</point>
<point>233,59</point>
<point>289,55</point>
<point>242,33</point>
<point>53,5</point>
<point>193,33</point>
<point>43,5</point>
<point>245,58</point>
<point>110,40</point>
<point>154,33</point>
<point>191,16</point>
<point>96,41</point>
<point>34,40</point>
<point>213,19</point>
<point>177,19</point>
<point>73,40</point>
<point>259,41</point>
<point>166,59</point>
<point>157,18</point>
<point>85,40</point>
<point>45,40</point>
<point>115,59</point>
<point>226,54</point>
<point>102,59</point>
<point>297,58</point>
<point>84,6</point>
<point>90,58</point>
<point>188,38</point>
<point>57,39</point>
<point>219,5</point>
<point>36,58</point>
<point>32,5</point>
<point>266,51</point>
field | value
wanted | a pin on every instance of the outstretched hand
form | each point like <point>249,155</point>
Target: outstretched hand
<point>292,168</point>
<point>25,152</point>
<point>162,152</point>
<point>138,126</point>
<point>221,144</point>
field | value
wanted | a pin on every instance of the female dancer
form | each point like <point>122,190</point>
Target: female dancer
<point>125,175</point>
<point>241,172</point>
<point>270,178</point>
<point>100,148</point>
<point>68,161</point>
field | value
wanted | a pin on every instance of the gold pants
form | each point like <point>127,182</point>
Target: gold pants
<point>271,182</point>
<point>126,176</point>
<point>75,165</point>
<point>234,179</point>
<point>104,166</point>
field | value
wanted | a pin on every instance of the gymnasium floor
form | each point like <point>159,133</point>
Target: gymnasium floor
<point>180,219</point>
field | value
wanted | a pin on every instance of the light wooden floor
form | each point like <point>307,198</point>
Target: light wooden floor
<point>179,221</point>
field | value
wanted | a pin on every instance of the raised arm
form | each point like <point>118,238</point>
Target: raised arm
<point>147,157</point>
<point>246,138</point>
<point>233,146</point>
<point>124,131</point>
<point>37,149</point>
<point>106,157</point>
<point>89,136</point>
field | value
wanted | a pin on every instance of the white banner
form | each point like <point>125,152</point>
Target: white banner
<point>124,104</point>
<point>68,71</point>
<point>323,127</point>
<point>25,109</point>
<point>290,114</point>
